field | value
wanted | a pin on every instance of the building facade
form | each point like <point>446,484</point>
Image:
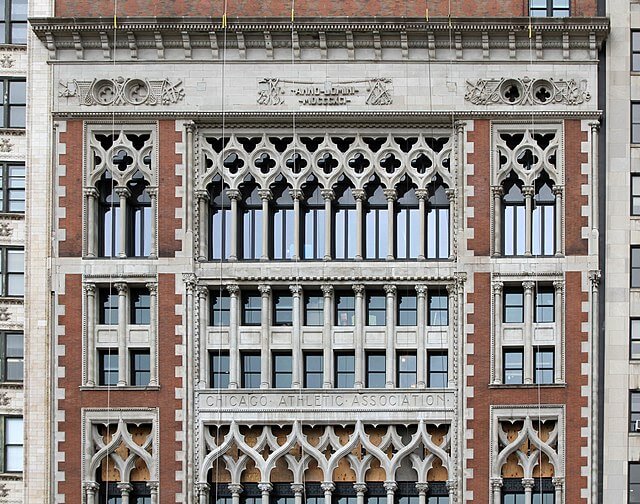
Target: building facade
<point>310,257</point>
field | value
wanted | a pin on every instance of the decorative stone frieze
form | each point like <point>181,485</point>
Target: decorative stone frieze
<point>526,91</point>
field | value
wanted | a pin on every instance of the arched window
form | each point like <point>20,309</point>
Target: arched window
<point>314,222</point>
<point>283,222</point>
<point>219,221</point>
<point>345,221</point>
<point>138,218</point>
<point>376,222</point>
<point>407,222</point>
<point>514,220</point>
<point>251,222</point>
<point>544,218</point>
<point>438,221</point>
<point>108,217</point>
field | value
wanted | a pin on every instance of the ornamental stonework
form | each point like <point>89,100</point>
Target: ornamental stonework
<point>526,91</point>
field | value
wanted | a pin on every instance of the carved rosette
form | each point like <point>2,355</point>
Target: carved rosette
<point>526,91</point>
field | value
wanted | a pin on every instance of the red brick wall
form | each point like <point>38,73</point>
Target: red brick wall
<point>168,181</point>
<point>72,183</point>
<point>481,200</point>
<point>306,8</point>
<point>484,396</point>
<point>75,399</point>
<point>575,200</point>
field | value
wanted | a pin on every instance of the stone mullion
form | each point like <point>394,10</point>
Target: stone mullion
<point>390,487</point>
<point>360,489</point>
<point>528,192</point>
<point>266,489</point>
<point>390,291</point>
<point>153,196</point>
<point>528,332</point>
<point>153,332</point>
<point>91,488</point>
<point>451,196</point>
<point>236,490</point>
<point>122,333</point>
<point>497,192</point>
<point>422,489</point>
<point>123,194</point>
<point>328,196</point>
<point>327,353</point>
<point>359,336</point>
<point>327,487</point>
<point>559,331</point>
<point>297,196</point>
<point>496,487</point>
<point>203,318</point>
<point>91,195</point>
<point>234,196</point>
<point>296,365</point>
<point>234,354</point>
<point>422,195</point>
<point>265,196</point>
<point>391,195</point>
<point>90,311</point>
<point>153,490</point>
<point>202,197</point>
<point>359,196</point>
<point>452,292</point>
<point>298,492</point>
<point>125,491</point>
<point>203,492</point>
<point>421,320</point>
<point>497,332</point>
<point>265,357</point>
<point>557,191</point>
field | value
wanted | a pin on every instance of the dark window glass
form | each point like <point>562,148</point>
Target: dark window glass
<point>376,370</point>
<point>282,370</point>
<point>251,309</point>
<point>345,370</point>
<point>635,266</point>
<point>634,411</point>
<point>376,223</point>
<point>250,370</point>
<point>219,369</point>
<point>543,362</point>
<point>138,218</point>
<point>634,328</point>
<point>108,367</point>
<point>543,218</point>
<point>547,497</point>
<point>407,371</point>
<point>376,310</point>
<point>635,51</point>
<point>513,498</point>
<point>438,309</point>
<point>13,444</point>
<point>635,122</point>
<point>13,22</point>
<point>407,310</point>
<point>13,356</point>
<point>251,222</point>
<point>219,221</point>
<point>545,306</point>
<point>313,310</point>
<point>513,366</point>
<point>12,184</point>
<point>438,375</point>
<point>441,499</point>
<point>282,309</point>
<point>314,224</point>
<point>549,8</point>
<point>438,222</point>
<point>14,101</point>
<point>11,272</point>
<point>513,222</point>
<point>313,375</point>
<point>345,223</point>
<point>283,222</point>
<point>634,482</point>
<point>407,223</point>
<point>376,499</point>
<point>513,306</point>
<point>635,192</point>
<point>140,367</point>
<point>220,308</point>
<point>345,309</point>
<point>140,307</point>
<point>108,217</point>
<point>108,310</point>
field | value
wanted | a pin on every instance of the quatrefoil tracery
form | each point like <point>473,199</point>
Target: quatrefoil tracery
<point>122,154</point>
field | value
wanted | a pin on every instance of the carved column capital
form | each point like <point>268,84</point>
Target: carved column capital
<point>496,483</point>
<point>527,483</point>
<point>203,488</point>
<point>422,194</point>
<point>264,289</point>
<point>558,285</point>
<point>359,194</point>
<point>91,486</point>
<point>557,190</point>
<point>121,287</point>
<point>390,289</point>
<point>558,482</point>
<point>594,277</point>
<point>265,194</point>
<point>233,289</point>
<point>390,486</point>
<point>528,191</point>
<point>296,290</point>
<point>358,289</point>
<point>203,291</point>
<point>327,486</point>
<point>297,488</point>
<point>452,485</point>
<point>202,194</point>
<point>189,280</point>
<point>152,192</point>
<point>497,191</point>
<point>459,126</point>
<point>422,488</point>
<point>152,287</point>
<point>122,192</point>
<point>91,192</point>
<point>421,289</point>
<point>153,486</point>
<point>595,126</point>
<point>328,194</point>
<point>265,487</point>
<point>327,290</point>
<point>233,194</point>
<point>390,194</point>
<point>360,487</point>
<point>125,488</point>
<point>296,194</point>
<point>497,287</point>
<point>89,288</point>
<point>235,488</point>
<point>451,194</point>
<point>451,288</point>
<point>528,285</point>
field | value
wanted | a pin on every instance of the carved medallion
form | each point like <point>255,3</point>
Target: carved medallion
<point>526,91</point>
<point>6,61</point>
<point>5,145</point>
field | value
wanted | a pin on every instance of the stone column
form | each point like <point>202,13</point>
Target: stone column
<point>122,333</point>
<point>423,196</point>
<point>452,488</point>
<point>234,354</point>
<point>422,489</point>
<point>390,487</point>
<point>90,307</point>
<point>497,192</point>
<point>188,179</point>
<point>91,195</point>
<point>125,490</point>
<point>594,280</point>
<point>528,192</point>
<point>153,196</point>
<point>203,323</point>
<point>123,193</point>
<point>265,356</point>
<point>265,488</point>
<point>528,332</point>
<point>557,191</point>
<point>496,489</point>
<point>558,286</point>
<point>296,347</point>
<point>298,492</point>
<point>203,492</point>
<point>234,197</point>
<point>327,351</point>
<point>422,336</point>
<point>327,487</point>
<point>359,335</point>
<point>451,196</point>
<point>390,291</point>
<point>265,196</point>
<point>359,196</point>
<point>153,332</point>
<point>594,179</point>
<point>202,197</point>
<point>360,489</point>
<point>328,196</point>
<point>391,195</point>
<point>236,490</point>
<point>153,490</point>
<point>452,291</point>
<point>527,484</point>
<point>297,196</point>
<point>497,332</point>
<point>91,488</point>
<point>558,483</point>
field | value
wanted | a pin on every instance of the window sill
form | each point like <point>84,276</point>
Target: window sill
<point>12,215</point>
<point>132,388</point>
<point>11,476</point>
<point>12,385</point>
<point>526,385</point>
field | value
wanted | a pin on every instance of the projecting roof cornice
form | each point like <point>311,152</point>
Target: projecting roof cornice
<point>360,38</point>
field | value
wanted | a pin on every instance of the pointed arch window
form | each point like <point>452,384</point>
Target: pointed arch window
<point>407,222</point>
<point>139,218</point>
<point>376,222</point>
<point>219,221</point>
<point>108,217</point>
<point>544,218</point>
<point>251,222</point>
<point>438,221</point>
<point>513,209</point>
<point>283,222</point>
<point>314,222</point>
<point>345,223</point>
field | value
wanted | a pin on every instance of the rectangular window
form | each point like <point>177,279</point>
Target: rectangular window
<point>313,310</point>
<point>635,266</point>
<point>282,370</point>
<point>220,309</point>
<point>407,310</point>
<point>376,370</point>
<point>634,482</point>
<point>13,369</point>
<point>250,370</point>
<point>13,444</point>
<point>634,329</point>
<point>549,8</point>
<point>634,411</point>
<point>438,375</point>
<point>140,368</point>
<point>219,367</point>
<point>13,94</point>
<point>282,309</point>
<point>313,375</point>
<point>12,181</point>
<point>139,301</point>
<point>12,272</point>
<point>545,306</point>
<point>108,367</point>
<point>13,22</point>
<point>345,309</point>
<point>438,309</point>
<point>635,193</point>
<point>513,366</point>
<point>345,370</point>
<point>407,370</point>
<point>376,310</point>
<point>635,122</point>
<point>108,308</point>
<point>543,363</point>
<point>513,306</point>
<point>251,309</point>
<point>635,51</point>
